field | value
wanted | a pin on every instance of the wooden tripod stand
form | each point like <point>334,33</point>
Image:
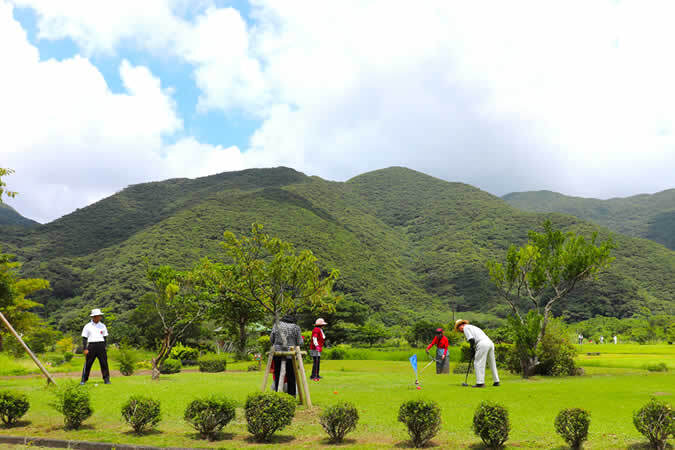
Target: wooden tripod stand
<point>298,370</point>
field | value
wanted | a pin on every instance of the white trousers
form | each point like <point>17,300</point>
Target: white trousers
<point>485,351</point>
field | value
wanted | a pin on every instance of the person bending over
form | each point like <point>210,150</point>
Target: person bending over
<point>482,350</point>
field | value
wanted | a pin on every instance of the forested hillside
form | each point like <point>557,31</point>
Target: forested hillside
<point>646,216</point>
<point>407,245</point>
<point>9,216</point>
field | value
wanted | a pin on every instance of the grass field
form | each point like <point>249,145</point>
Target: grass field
<point>613,387</point>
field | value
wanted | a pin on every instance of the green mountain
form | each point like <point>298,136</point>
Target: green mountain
<point>9,217</point>
<point>407,245</point>
<point>646,216</point>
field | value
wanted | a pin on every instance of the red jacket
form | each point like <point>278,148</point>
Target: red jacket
<point>320,339</point>
<point>440,343</point>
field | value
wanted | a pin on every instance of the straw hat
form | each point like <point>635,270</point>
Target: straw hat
<point>320,321</point>
<point>460,322</point>
<point>95,312</point>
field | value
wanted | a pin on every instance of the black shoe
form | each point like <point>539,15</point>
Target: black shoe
<point>478,385</point>
<point>496,383</point>
<point>106,382</point>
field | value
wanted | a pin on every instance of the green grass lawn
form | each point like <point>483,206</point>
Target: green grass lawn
<point>377,388</point>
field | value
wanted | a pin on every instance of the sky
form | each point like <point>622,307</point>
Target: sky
<point>575,97</point>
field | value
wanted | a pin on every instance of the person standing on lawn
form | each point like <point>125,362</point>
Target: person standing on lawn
<point>94,336</point>
<point>441,342</point>
<point>482,350</point>
<point>316,347</point>
<point>285,335</point>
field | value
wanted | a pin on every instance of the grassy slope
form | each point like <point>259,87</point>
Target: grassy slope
<point>646,216</point>
<point>9,217</point>
<point>377,388</point>
<point>406,244</point>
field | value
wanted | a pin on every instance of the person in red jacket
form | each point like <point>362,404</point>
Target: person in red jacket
<point>316,347</point>
<point>441,343</point>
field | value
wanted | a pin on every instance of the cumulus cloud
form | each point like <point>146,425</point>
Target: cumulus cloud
<point>575,97</point>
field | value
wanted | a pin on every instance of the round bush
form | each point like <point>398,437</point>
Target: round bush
<point>268,412</point>
<point>12,407</point>
<point>572,424</point>
<point>72,400</point>
<point>184,353</point>
<point>212,363</point>
<point>656,421</point>
<point>339,419</point>
<point>170,365</point>
<point>491,424</point>
<point>657,367</point>
<point>126,357</point>
<point>209,415</point>
<point>141,413</point>
<point>67,356</point>
<point>423,419</point>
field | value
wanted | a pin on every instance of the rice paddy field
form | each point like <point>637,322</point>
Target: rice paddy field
<point>616,383</point>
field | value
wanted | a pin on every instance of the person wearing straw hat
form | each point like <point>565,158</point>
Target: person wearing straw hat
<point>482,350</point>
<point>316,347</point>
<point>94,344</point>
<point>441,343</point>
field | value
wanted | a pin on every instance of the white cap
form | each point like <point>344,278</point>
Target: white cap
<point>95,312</point>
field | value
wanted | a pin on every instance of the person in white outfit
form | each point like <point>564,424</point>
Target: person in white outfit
<point>483,350</point>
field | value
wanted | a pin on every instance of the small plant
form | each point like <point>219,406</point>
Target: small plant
<point>170,365</point>
<point>72,400</point>
<point>209,415</point>
<point>264,343</point>
<point>336,353</point>
<point>338,420</point>
<point>657,367</point>
<point>491,424</point>
<point>67,356</point>
<point>212,363</point>
<point>656,420</point>
<point>423,419</point>
<point>12,407</point>
<point>253,367</point>
<point>141,413</point>
<point>572,424</point>
<point>127,358</point>
<point>268,412</point>
<point>184,353</point>
<point>461,368</point>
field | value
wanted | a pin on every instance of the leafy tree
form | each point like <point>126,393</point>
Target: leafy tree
<point>542,272</point>
<point>234,311</point>
<point>179,301</point>
<point>269,273</point>
<point>3,190</point>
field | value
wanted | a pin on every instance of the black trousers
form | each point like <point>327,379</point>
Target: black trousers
<point>290,374</point>
<point>316,364</point>
<point>96,350</point>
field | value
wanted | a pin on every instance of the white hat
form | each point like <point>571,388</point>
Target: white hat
<point>320,322</point>
<point>95,312</point>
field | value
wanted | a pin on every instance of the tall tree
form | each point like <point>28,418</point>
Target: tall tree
<point>268,272</point>
<point>541,273</point>
<point>180,302</point>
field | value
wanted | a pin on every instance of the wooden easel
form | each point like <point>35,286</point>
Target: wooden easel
<point>298,369</point>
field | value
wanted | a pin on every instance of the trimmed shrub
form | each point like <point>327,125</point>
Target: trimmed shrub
<point>12,407</point>
<point>142,413</point>
<point>657,367</point>
<point>335,353</point>
<point>502,352</point>
<point>184,353</point>
<point>462,367</point>
<point>72,400</point>
<point>338,420</point>
<point>209,415</point>
<point>67,356</point>
<point>465,352</point>
<point>126,357</point>
<point>212,363</point>
<point>656,421</point>
<point>491,424</point>
<point>170,365</point>
<point>572,424</point>
<point>268,412</point>
<point>423,419</point>
<point>253,367</point>
<point>264,343</point>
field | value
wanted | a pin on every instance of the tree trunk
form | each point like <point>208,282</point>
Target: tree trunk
<point>155,369</point>
<point>241,344</point>
<point>162,355</point>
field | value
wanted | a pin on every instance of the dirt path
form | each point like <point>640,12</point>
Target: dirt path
<point>93,376</point>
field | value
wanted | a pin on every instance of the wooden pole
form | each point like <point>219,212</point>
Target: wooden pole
<point>282,376</point>
<point>267,370</point>
<point>35,360</point>
<point>298,382</point>
<point>303,377</point>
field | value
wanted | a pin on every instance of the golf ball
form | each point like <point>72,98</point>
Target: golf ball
<point>335,392</point>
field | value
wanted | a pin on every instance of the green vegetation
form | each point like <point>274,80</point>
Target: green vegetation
<point>611,394</point>
<point>338,420</point>
<point>491,424</point>
<point>572,425</point>
<point>646,216</point>
<point>9,217</point>
<point>142,413</point>
<point>422,418</point>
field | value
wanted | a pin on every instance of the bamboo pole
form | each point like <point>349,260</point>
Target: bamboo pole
<point>267,370</point>
<point>33,357</point>
<point>303,376</point>
<point>298,382</point>
<point>282,376</point>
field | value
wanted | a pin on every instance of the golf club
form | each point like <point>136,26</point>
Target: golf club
<point>466,378</point>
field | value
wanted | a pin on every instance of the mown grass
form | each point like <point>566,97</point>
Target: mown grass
<point>611,394</point>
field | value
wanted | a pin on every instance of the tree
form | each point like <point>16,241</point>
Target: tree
<point>228,308</point>
<point>3,190</point>
<point>268,272</point>
<point>542,272</point>
<point>179,301</point>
